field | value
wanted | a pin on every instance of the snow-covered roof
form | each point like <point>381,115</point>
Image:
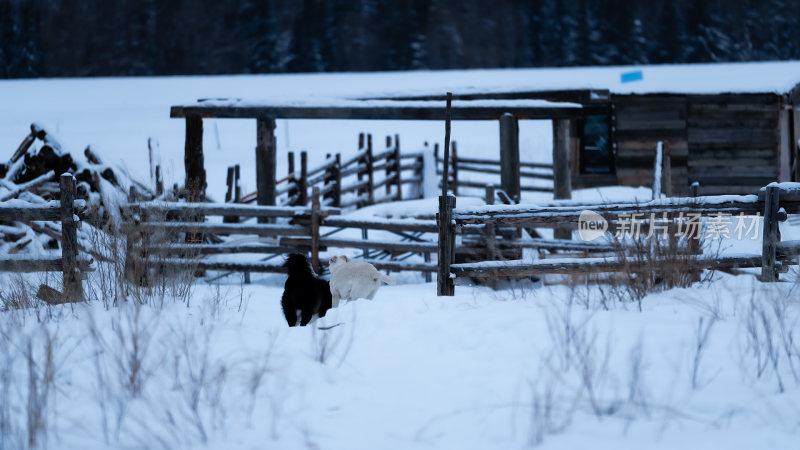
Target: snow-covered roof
<point>340,89</point>
<point>761,77</point>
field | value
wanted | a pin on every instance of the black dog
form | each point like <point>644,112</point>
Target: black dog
<point>304,294</point>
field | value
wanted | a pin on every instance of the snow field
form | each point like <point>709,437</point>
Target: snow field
<point>513,368</point>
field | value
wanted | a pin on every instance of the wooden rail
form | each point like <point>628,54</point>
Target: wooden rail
<point>457,165</point>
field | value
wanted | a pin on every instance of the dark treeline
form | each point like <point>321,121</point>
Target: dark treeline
<point>50,38</point>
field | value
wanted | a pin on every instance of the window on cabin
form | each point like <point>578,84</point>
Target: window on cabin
<point>597,156</point>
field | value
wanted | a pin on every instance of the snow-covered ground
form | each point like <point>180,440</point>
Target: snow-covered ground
<point>712,366</point>
<point>715,365</point>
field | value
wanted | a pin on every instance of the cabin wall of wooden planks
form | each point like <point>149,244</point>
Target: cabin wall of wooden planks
<point>729,143</point>
<point>734,141</point>
<point>641,122</point>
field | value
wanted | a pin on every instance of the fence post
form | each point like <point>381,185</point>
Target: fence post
<point>229,184</point>
<point>397,170</point>
<point>293,181</point>
<point>229,194</point>
<point>159,181</point>
<point>389,163</point>
<point>361,170</point>
<point>562,177</point>
<point>509,156</point>
<point>489,230</point>
<point>420,175</point>
<point>73,288</point>
<point>337,190</point>
<point>370,173</point>
<point>771,235</point>
<point>454,167</point>
<point>315,221</point>
<point>302,183</point>
<point>328,177</point>
<point>694,244</point>
<point>657,172</point>
<point>444,284</point>
<point>666,172</point>
<point>237,188</point>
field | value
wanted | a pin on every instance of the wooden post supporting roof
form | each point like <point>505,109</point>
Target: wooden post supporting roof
<point>266,161</point>
<point>509,156</point>
<point>193,159</point>
<point>562,177</point>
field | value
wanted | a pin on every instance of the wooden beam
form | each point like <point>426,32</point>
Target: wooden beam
<point>397,111</point>
<point>563,95</point>
<point>266,157</point>
<point>509,156</point>
<point>562,175</point>
<point>195,182</point>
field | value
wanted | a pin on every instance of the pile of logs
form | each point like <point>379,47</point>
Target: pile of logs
<point>31,175</point>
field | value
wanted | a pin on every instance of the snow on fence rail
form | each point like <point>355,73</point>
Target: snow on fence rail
<point>775,202</point>
<point>72,265</point>
<point>529,171</point>
<point>354,182</point>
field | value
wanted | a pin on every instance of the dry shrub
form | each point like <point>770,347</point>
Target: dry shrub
<point>651,264</point>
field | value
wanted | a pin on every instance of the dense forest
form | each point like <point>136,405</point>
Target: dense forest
<point>66,38</point>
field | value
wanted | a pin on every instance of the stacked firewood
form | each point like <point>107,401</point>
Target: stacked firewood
<point>31,176</point>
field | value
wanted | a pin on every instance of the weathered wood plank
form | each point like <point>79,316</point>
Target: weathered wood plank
<point>520,268</point>
<point>425,226</point>
<point>218,209</point>
<point>214,249</point>
<point>392,246</point>
<point>221,228</point>
<point>395,112</point>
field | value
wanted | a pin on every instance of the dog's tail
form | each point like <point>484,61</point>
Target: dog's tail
<point>385,278</point>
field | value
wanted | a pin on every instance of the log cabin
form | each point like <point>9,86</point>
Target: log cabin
<point>732,128</point>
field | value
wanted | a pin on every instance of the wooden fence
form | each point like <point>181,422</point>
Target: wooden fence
<point>364,179</point>
<point>775,202</point>
<point>70,263</point>
<point>158,234</point>
<point>529,172</point>
<point>176,235</point>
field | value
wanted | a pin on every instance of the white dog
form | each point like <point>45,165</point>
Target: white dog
<point>352,279</point>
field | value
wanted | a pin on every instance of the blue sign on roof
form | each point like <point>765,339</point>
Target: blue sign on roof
<point>627,77</point>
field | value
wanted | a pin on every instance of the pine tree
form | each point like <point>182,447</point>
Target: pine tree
<point>672,43</point>
<point>6,30</point>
